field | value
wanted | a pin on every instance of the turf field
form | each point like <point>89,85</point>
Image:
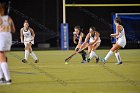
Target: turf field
<point>51,75</point>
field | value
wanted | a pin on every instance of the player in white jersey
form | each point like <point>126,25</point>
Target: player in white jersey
<point>93,38</point>
<point>6,27</point>
<point>120,43</point>
<point>27,37</point>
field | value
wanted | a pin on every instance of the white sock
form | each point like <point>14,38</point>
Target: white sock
<point>26,54</point>
<point>108,55</point>
<point>1,73</point>
<point>118,56</point>
<point>33,55</point>
<point>92,54</point>
<point>4,67</point>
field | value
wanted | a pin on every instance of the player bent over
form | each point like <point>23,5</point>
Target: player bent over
<point>78,38</point>
<point>121,41</point>
<point>27,36</point>
<point>93,37</point>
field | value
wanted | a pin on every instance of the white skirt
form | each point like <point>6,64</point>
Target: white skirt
<point>28,40</point>
<point>5,41</point>
<point>121,42</point>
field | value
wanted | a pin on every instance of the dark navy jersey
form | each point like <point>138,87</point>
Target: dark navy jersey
<point>78,37</point>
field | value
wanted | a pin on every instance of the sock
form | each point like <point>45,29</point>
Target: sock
<point>33,55</point>
<point>4,67</point>
<point>92,54</point>
<point>26,54</point>
<point>1,73</point>
<point>118,56</point>
<point>108,55</point>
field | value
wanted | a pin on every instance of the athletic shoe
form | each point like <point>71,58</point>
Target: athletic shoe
<point>97,60</point>
<point>88,60</point>
<point>103,60</point>
<point>118,63</point>
<point>84,61</point>
<point>2,80</point>
<point>36,61</point>
<point>24,61</point>
<point>8,82</point>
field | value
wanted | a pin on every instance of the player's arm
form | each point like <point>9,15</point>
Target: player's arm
<point>85,42</point>
<point>21,36</point>
<point>96,38</point>
<point>118,30</point>
<point>32,32</point>
<point>80,39</point>
<point>87,38</point>
<point>74,39</point>
<point>12,25</point>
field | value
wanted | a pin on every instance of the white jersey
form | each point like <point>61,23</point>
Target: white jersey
<point>92,38</point>
<point>27,36</point>
<point>121,39</point>
<point>5,34</point>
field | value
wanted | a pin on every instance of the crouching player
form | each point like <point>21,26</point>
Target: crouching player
<point>93,37</point>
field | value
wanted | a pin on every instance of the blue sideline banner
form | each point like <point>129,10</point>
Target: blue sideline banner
<point>64,37</point>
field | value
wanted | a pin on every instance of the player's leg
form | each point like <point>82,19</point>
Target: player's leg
<point>4,68</point>
<point>93,54</point>
<point>115,47</point>
<point>118,57</point>
<point>33,54</point>
<point>26,54</point>
<point>1,75</point>
<point>83,53</point>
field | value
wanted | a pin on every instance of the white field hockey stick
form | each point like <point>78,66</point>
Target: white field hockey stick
<point>67,59</point>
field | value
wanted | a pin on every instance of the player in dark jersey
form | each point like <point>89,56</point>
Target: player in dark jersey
<point>78,38</point>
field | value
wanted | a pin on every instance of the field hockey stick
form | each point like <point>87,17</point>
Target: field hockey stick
<point>8,8</point>
<point>67,59</point>
<point>16,43</point>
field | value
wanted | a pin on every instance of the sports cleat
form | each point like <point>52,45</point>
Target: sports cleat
<point>103,60</point>
<point>2,80</point>
<point>118,63</point>
<point>8,82</point>
<point>36,61</point>
<point>84,61</point>
<point>97,60</point>
<point>24,61</point>
<point>88,60</point>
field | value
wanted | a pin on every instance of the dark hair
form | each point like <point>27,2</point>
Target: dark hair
<point>2,8</point>
<point>77,27</point>
<point>93,28</point>
<point>26,21</point>
<point>117,20</point>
